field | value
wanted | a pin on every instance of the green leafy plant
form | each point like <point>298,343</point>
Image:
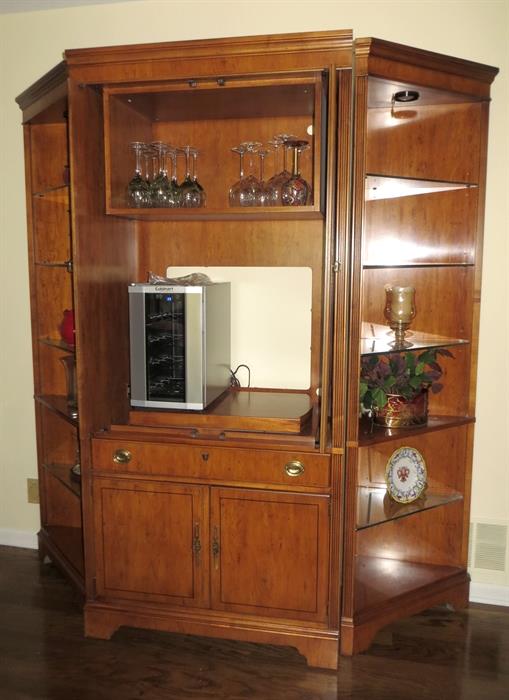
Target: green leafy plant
<point>404,373</point>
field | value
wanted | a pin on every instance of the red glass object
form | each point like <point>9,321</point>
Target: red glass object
<point>66,327</point>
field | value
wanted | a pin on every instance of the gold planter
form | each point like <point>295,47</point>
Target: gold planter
<point>400,412</point>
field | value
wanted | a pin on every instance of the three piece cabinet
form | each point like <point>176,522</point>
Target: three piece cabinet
<point>264,517</point>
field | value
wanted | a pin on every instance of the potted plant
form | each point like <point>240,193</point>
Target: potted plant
<point>394,386</point>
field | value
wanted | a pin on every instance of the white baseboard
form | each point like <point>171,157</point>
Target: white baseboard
<point>18,538</point>
<point>489,594</point>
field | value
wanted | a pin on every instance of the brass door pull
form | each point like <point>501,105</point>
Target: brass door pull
<point>294,468</point>
<point>122,456</point>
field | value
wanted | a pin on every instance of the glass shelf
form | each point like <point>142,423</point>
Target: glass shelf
<point>58,344</point>
<point>375,506</point>
<point>389,187</point>
<point>370,434</point>
<point>57,189</point>
<point>377,339</point>
<point>58,404</point>
<point>62,472</point>
<point>66,264</point>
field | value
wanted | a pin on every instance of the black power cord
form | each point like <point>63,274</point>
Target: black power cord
<point>234,382</point>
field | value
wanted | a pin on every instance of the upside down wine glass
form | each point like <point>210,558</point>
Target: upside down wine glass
<point>192,194</point>
<point>276,182</point>
<point>295,191</point>
<point>138,190</point>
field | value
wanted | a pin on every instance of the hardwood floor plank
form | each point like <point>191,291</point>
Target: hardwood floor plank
<point>44,655</point>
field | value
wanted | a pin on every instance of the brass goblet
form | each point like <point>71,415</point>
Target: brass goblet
<point>399,311</point>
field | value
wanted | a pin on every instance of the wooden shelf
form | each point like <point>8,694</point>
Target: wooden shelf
<point>244,409</point>
<point>375,506</point>
<point>58,404</point>
<point>371,434</point>
<point>209,214</point>
<point>379,580</point>
<point>62,472</point>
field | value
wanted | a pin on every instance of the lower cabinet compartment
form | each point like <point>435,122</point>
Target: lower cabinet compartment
<point>246,551</point>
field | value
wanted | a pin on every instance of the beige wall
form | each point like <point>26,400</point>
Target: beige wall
<point>31,43</point>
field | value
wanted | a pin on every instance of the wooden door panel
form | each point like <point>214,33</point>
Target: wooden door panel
<point>149,541</point>
<point>270,553</point>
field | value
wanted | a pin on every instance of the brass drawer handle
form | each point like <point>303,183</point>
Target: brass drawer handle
<point>122,456</point>
<point>294,468</point>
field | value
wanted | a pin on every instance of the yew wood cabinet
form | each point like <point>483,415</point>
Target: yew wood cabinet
<point>265,516</point>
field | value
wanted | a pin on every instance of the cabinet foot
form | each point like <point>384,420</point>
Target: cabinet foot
<point>319,653</point>
<point>99,626</point>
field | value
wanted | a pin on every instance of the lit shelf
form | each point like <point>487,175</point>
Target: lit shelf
<point>378,339</point>
<point>388,187</point>
<point>371,265</point>
<point>62,472</point>
<point>380,581</point>
<point>375,506</point>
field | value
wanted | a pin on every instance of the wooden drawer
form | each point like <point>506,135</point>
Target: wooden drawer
<point>290,469</point>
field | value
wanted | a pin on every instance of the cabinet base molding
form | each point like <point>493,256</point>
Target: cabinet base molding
<point>320,647</point>
<point>357,634</point>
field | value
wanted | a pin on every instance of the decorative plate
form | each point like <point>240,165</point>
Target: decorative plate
<point>406,475</point>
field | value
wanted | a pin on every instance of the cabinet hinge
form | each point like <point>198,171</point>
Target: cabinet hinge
<point>335,266</point>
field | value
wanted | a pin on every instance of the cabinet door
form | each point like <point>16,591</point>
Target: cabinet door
<point>269,553</point>
<point>151,541</point>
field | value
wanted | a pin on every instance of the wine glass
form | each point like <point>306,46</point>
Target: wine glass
<point>198,185</point>
<point>160,186</point>
<point>264,192</point>
<point>295,191</point>
<point>174,191</point>
<point>138,190</point>
<point>251,190</point>
<point>236,188</point>
<point>190,190</point>
<point>276,182</point>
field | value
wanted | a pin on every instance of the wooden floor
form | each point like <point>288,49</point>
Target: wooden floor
<point>44,655</point>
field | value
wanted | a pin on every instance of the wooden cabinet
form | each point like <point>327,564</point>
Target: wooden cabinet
<point>270,553</point>
<point>264,517</point>
<point>252,542</point>
<point>149,541</point>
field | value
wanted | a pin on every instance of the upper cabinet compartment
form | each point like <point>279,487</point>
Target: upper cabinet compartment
<point>212,117</point>
<point>420,133</point>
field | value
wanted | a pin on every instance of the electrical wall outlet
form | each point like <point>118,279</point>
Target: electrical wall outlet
<point>33,490</point>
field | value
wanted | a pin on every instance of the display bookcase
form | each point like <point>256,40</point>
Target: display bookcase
<point>418,199</point>
<point>45,116</point>
<point>264,517</point>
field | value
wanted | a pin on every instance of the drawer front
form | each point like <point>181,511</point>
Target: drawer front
<point>291,469</point>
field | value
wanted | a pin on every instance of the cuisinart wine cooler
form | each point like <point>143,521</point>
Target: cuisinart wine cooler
<point>180,344</point>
